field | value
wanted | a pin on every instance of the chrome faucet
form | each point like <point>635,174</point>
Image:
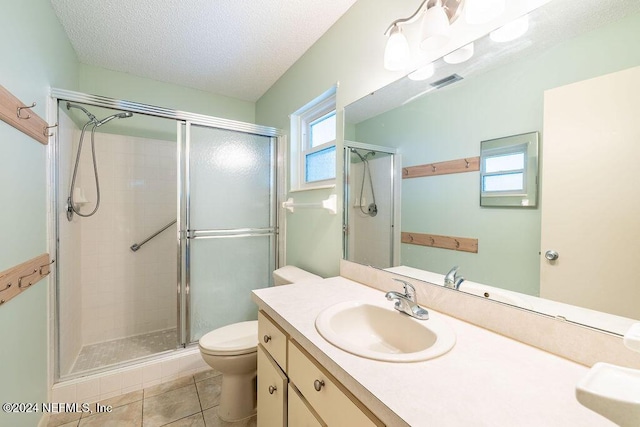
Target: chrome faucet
<point>407,302</point>
<point>452,280</point>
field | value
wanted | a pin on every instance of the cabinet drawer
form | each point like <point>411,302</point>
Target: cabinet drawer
<point>272,392</point>
<point>300,415</point>
<point>273,339</point>
<point>331,401</point>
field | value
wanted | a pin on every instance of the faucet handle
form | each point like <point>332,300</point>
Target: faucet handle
<point>409,290</point>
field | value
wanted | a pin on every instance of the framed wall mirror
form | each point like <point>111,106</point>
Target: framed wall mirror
<point>573,255</point>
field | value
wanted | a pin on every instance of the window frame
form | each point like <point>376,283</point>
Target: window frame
<point>527,144</point>
<point>302,121</point>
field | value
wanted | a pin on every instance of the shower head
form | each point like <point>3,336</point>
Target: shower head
<point>365,157</point>
<point>114,116</point>
<point>91,116</point>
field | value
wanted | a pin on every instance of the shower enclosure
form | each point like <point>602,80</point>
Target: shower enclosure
<point>371,231</point>
<point>186,227</point>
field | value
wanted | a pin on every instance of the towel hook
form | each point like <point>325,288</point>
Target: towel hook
<point>19,110</point>
<point>457,243</point>
<point>433,168</point>
<point>46,265</point>
<point>432,241</point>
<point>26,275</point>
<point>46,128</point>
<point>467,163</point>
<point>6,287</point>
<point>410,238</point>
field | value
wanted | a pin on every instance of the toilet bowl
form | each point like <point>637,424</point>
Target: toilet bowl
<point>232,350</point>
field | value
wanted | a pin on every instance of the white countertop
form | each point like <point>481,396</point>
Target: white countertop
<point>485,380</point>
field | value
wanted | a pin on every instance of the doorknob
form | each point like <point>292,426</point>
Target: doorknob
<point>551,255</point>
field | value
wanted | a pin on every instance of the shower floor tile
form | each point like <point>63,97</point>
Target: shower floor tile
<point>111,352</point>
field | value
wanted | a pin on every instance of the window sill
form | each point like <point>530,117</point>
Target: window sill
<point>319,187</point>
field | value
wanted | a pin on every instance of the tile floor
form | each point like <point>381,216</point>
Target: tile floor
<point>130,348</point>
<point>186,402</point>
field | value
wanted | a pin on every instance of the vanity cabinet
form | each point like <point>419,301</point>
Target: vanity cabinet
<point>295,390</point>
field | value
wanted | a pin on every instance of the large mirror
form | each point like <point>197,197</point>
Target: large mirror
<point>574,77</point>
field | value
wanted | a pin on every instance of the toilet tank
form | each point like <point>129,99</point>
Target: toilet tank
<point>291,274</point>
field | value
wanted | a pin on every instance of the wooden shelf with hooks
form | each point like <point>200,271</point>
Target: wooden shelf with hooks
<point>17,279</point>
<point>469,164</point>
<point>464,244</point>
<point>15,113</point>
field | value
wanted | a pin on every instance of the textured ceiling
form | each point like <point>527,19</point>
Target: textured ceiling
<point>235,48</point>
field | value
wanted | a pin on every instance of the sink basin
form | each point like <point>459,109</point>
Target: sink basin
<point>377,331</point>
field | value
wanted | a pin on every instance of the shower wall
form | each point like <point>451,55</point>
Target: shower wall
<point>370,238</point>
<point>127,293</point>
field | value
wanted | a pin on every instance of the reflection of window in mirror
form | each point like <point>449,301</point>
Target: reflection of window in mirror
<point>509,171</point>
<point>313,144</point>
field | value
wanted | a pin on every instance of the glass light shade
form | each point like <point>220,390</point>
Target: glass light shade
<point>511,31</point>
<point>396,53</point>
<point>435,28</point>
<point>423,73</point>
<point>478,12</point>
<point>461,55</point>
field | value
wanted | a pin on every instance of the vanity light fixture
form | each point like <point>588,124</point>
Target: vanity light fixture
<point>437,17</point>
<point>511,31</point>
<point>461,55</point>
<point>396,53</point>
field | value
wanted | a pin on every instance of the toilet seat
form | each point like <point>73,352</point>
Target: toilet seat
<point>235,339</point>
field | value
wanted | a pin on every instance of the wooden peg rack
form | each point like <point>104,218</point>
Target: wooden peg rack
<point>21,277</point>
<point>469,164</point>
<point>19,115</point>
<point>463,244</point>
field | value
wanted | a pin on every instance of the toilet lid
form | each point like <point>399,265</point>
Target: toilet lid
<point>237,338</point>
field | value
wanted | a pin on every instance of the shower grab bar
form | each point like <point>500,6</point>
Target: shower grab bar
<point>137,246</point>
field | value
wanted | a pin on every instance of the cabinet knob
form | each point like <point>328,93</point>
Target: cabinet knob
<point>272,389</point>
<point>318,384</point>
<point>266,339</point>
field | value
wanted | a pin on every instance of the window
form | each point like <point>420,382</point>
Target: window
<point>509,171</point>
<point>313,144</point>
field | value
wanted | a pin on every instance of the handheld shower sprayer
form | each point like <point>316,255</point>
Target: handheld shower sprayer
<point>71,205</point>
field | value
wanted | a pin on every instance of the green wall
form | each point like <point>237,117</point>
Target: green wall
<point>114,84</point>
<point>349,54</point>
<point>450,123</point>
<point>35,55</point>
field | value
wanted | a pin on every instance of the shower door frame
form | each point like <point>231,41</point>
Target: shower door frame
<point>181,118</point>
<point>395,175</point>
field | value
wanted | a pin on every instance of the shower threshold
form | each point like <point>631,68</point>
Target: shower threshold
<point>95,356</point>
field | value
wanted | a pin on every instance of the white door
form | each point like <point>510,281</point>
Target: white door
<point>591,194</point>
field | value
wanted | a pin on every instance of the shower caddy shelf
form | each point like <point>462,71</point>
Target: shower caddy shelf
<point>17,279</point>
<point>19,115</point>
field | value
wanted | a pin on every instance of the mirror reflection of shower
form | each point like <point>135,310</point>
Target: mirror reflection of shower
<point>370,235</point>
<point>72,204</point>
<point>372,208</point>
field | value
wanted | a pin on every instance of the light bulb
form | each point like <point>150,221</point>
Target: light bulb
<point>478,12</point>
<point>461,55</point>
<point>511,31</point>
<point>423,73</point>
<point>396,53</point>
<point>435,28</point>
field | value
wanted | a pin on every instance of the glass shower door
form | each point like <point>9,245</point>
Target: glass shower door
<point>229,225</point>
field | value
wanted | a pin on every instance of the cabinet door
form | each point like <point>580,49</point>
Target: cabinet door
<point>273,339</point>
<point>272,392</point>
<point>300,415</point>
<point>333,403</point>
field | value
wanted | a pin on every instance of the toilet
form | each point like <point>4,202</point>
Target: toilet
<point>232,350</point>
